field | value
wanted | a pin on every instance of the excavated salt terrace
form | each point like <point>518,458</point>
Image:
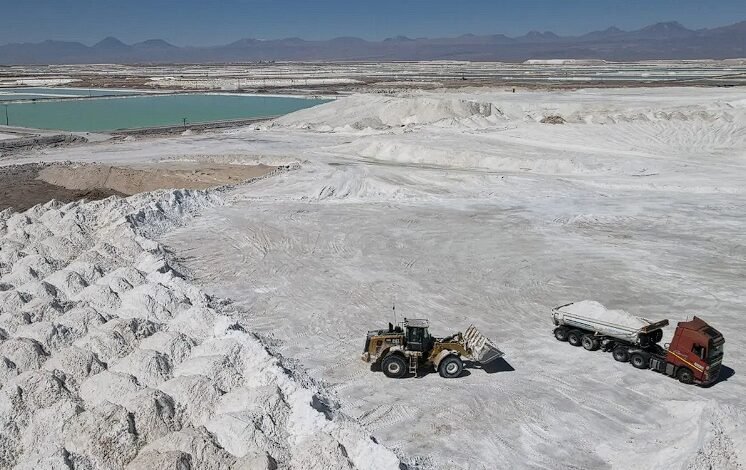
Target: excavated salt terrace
<point>110,359</point>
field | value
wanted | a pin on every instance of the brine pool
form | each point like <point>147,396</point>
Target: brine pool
<point>99,111</point>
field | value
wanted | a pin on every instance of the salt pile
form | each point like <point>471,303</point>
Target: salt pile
<point>380,113</point>
<point>110,359</point>
<point>594,310</point>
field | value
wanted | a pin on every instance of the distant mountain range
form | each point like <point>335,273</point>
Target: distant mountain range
<point>659,41</point>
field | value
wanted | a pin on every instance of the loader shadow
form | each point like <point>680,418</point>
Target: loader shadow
<point>498,365</point>
<point>725,373</point>
<point>422,373</point>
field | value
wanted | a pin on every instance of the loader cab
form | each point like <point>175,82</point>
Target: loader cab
<point>416,335</point>
<point>698,347</point>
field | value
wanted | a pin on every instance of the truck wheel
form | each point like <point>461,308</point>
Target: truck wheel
<point>589,342</point>
<point>394,366</point>
<point>560,333</point>
<point>639,360</point>
<point>620,354</point>
<point>685,376</point>
<point>450,367</point>
<point>574,337</point>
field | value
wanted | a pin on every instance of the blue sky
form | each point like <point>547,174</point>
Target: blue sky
<point>202,22</point>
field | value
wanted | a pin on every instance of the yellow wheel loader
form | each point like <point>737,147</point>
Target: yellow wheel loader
<point>408,347</point>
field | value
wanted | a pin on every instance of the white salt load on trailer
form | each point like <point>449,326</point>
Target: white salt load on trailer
<point>591,309</point>
<point>592,316</point>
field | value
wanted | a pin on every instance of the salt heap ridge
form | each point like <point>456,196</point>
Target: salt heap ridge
<point>109,358</point>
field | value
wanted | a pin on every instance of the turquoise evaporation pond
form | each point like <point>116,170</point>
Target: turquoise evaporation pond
<point>109,114</point>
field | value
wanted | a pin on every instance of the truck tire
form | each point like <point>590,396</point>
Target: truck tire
<point>450,367</point>
<point>574,337</point>
<point>394,366</point>
<point>620,354</point>
<point>639,360</point>
<point>589,342</point>
<point>560,333</point>
<point>685,376</point>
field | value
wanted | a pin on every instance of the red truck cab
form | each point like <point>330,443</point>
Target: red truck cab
<point>696,352</point>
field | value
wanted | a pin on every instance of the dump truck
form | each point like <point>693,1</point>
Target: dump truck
<point>694,355</point>
<point>408,348</point>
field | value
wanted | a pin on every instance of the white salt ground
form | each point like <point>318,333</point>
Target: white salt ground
<point>464,214</point>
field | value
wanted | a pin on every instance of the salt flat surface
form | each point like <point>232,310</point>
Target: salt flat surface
<point>463,208</point>
<point>319,76</point>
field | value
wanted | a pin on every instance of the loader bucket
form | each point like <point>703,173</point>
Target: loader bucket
<point>482,349</point>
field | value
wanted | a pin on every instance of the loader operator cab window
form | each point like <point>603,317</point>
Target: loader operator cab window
<point>416,338</point>
<point>700,351</point>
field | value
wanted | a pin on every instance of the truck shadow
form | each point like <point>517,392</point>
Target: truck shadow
<point>725,373</point>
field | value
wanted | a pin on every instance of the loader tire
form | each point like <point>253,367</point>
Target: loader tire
<point>574,337</point>
<point>450,367</point>
<point>620,354</point>
<point>685,376</point>
<point>589,342</point>
<point>560,333</point>
<point>394,366</point>
<point>639,360</point>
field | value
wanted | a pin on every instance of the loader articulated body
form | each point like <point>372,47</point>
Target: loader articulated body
<point>409,347</point>
<point>694,355</point>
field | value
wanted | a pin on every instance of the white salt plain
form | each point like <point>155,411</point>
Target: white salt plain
<point>459,206</point>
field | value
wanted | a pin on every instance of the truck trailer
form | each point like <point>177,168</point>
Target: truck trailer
<point>694,355</point>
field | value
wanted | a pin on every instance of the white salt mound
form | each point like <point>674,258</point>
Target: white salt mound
<point>594,310</point>
<point>111,360</point>
<point>175,345</point>
<point>25,353</point>
<point>108,386</point>
<point>104,436</point>
<point>368,113</point>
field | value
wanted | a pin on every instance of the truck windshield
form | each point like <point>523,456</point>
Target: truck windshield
<point>716,351</point>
